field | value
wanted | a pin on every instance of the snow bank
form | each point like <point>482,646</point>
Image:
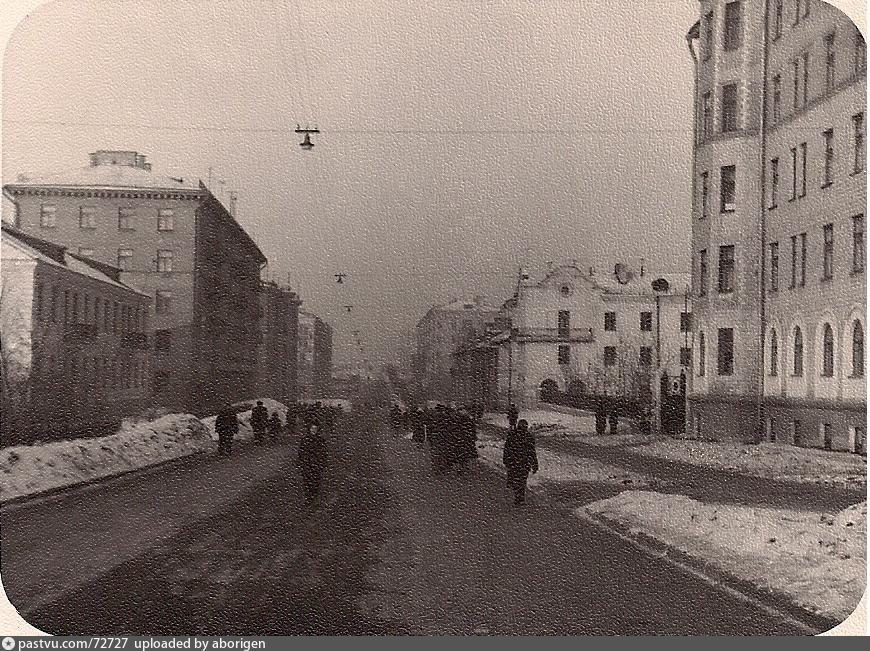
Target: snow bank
<point>769,460</point>
<point>557,467</point>
<point>820,562</point>
<point>29,469</point>
<point>555,424</point>
<point>245,431</point>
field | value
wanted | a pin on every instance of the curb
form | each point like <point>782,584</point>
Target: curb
<point>771,601</point>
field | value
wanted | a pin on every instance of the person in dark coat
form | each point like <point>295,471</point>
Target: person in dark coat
<point>520,458</point>
<point>312,460</point>
<point>600,418</point>
<point>275,426</point>
<point>259,421</point>
<point>227,426</point>
<point>513,415</point>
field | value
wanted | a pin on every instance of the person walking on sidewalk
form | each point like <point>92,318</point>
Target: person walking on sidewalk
<point>259,421</point>
<point>312,459</point>
<point>227,426</point>
<point>513,414</point>
<point>519,459</point>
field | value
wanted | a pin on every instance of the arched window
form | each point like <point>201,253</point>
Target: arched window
<point>857,349</point>
<point>702,354</point>
<point>774,353</point>
<point>827,351</point>
<point>798,367</point>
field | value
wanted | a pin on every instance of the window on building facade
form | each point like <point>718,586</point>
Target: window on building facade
<point>164,261</point>
<point>98,315</point>
<point>726,269</point>
<point>610,356</point>
<point>800,68</point>
<point>702,355</point>
<point>702,272</point>
<point>564,324</point>
<point>803,276</point>
<point>774,182</point>
<point>860,59</point>
<point>38,301</point>
<point>857,349</point>
<point>794,173</point>
<point>116,309</point>
<point>645,358</point>
<point>803,170</point>
<point>777,19</point>
<point>774,266</point>
<point>776,104</point>
<point>805,83</point>
<point>828,252</point>
<point>86,253</point>
<point>830,63</point>
<point>774,353</point>
<point>686,356</point>
<point>125,259</point>
<point>646,321</point>
<point>725,351</point>
<point>165,219</point>
<point>858,140</point>
<point>798,352</point>
<point>48,215</point>
<point>705,194</point>
<point>858,243</point>
<point>794,262</point>
<point>798,11</point>
<point>731,37</point>
<point>728,188</point>
<point>163,302</point>
<point>88,217</point>
<point>707,115</point>
<point>685,321</point>
<point>610,321</point>
<point>162,340</point>
<point>828,175</point>
<point>126,219</point>
<point>709,30</point>
<point>55,295</point>
<point>729,109</point>
<point>827,351</point>
<point>564,354</point>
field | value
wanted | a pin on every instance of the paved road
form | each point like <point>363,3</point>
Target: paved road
<point>390,550</point>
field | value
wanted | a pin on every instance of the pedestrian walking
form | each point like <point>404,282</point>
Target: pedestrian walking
<point>600,418</point>
<point>259,421</point>
<point>519,459</point>
<point>275,426</point>
<point>513,415</point>
<point>312,460</point>
<point>227,426</point>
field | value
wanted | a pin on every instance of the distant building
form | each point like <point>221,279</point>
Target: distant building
<point>74,344</point>
<point>440,333</point>
<point>173,240</point>
<point>314,356</point>
<point>778,241</point>
<point>575,332</point>
<point>279,322</point>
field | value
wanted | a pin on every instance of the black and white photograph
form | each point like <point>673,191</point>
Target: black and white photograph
<point>456,318</point>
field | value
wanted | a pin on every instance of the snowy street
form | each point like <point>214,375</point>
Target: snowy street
<point>213,545</point>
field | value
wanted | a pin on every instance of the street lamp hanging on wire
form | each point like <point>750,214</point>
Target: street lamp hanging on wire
<point>306,143</point>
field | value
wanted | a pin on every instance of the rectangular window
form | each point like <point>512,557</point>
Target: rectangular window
<point>858,243</point>
<point>107,317</point>
<point>776,106</point>
<point>729,109</point>
<point>75,308</point>
<point>774,182</point>
<point>564,324</point>
<point>685,321</point>
<point>796,74</point>
<point>163,302</point>
<point>88,217</point>
<point>827,436</point>
<point>646,321</point>
<point>726,269</point>
<point>803,170</point>
<point>610,356</point>
<point>797,12</point>
<point>794,173</point>
<point>828,176</point>
<point>828,252</point>
<point>705,194</point>
<point>709,29</point>
<point>707,115</point>
<point>645,356</point>
<point>803,278</point>
<point>564,354</point>
<point>55,295</point>
<point>830,63</point>
<point>777,19</point>
<point>725,351</point>
<point>116,309</point>
<point>125,259</point>
<point>164,261</point>
<point>97,305</point>
<point>48,216</point>
<point>794,261</point>
<point>610,321</point>
<point>702,355</point>
<point>86,253</point>
<point>685,356</point>
<point>165,220</point>
<point>38,298</point>
<point>162,340</point>
<point>774,266</point>
<point>805,69</point>
<point>727,188</point>
<point>732,34</point>
<point>702,272</point>
<point>800,67</point>
<point>126,219</point>
<point>860,63</point>
<point>858,139</point>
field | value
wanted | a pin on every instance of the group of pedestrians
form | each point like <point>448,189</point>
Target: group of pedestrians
<point>451,433</point>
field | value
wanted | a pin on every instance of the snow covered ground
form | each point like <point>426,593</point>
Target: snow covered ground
<point>548,423</point>
<point>29,469</point>
<point>245,431</point>
<point>820,562</point>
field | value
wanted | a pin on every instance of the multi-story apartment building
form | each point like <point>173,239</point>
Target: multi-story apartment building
<point>74,347</point>
<point>778,223</point>
<point>279,322</point>
<point>314,356</point>
<point>440,333</point>
<point>173,240</point>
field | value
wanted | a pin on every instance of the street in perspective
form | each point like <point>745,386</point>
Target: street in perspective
<point>480,319</point>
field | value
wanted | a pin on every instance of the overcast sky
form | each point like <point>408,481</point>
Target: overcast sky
<point>460,138</point>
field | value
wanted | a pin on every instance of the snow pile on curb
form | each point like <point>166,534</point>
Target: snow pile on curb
<point>29,469</point>
<point>768,460</point>
<point>543,418</point>
<point>558,467</point>
<point>820,562</point>
<point>245,431</point>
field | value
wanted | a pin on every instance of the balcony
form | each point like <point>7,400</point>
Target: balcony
<point>566,335</point>
<point>136,340</point>
<point>79,333</point>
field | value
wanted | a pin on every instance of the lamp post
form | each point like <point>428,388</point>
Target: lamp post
<point>659,286</point>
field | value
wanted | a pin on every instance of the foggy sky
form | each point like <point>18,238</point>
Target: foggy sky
<point>460,138</point>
